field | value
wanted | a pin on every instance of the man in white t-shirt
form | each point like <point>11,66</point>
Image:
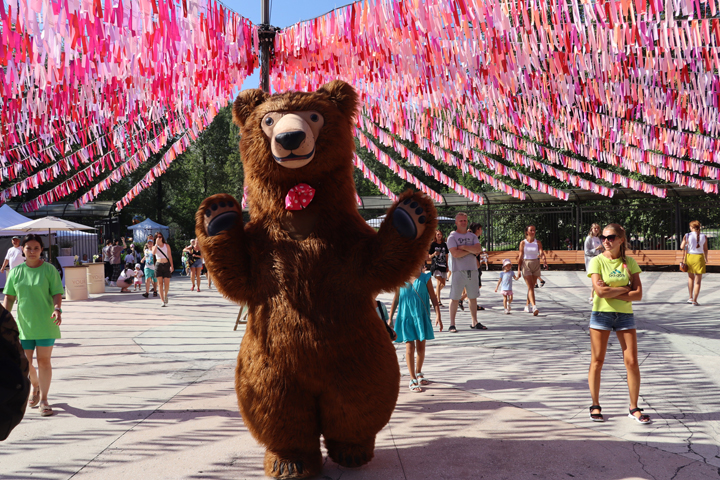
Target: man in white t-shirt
<point>14,256</point>
<point>463,247</point>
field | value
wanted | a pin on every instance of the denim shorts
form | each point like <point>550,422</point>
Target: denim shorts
<point>612,321</point>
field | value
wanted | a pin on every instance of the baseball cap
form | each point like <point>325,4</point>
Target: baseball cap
<point>16,237</point>
<point>506,262</point>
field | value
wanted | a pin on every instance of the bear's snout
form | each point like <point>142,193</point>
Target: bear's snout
<point>291,140</point>
<point>292,136</point>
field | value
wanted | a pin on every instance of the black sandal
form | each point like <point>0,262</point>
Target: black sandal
<point>642,418</point>
<point>596,417</point>
<point>479,326</point>
<point>452,329</point>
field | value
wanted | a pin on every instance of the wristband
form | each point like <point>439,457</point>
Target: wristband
<point>58,309</point>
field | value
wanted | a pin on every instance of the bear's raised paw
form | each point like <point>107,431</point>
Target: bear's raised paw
<point>409,218</point>
<point>220,212</point>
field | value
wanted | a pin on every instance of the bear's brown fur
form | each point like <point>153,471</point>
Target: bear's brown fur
<point>315,359</point>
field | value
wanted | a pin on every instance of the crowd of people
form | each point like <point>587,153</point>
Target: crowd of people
<point>615,285</point>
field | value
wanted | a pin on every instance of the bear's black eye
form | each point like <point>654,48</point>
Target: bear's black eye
<point>314,117</point>
<point>269,121</point>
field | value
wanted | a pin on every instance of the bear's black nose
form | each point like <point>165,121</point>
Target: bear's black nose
<point>290,140</point>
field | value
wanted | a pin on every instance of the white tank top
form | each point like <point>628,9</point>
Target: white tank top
<point>159,258</point>
<point>695,248</point>
<point>531,250</point>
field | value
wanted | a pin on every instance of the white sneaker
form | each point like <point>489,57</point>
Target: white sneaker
<point>527,309</point>
<point>164,304</point>
<point>507,311</point>
<point>535,310</point>
<point>509,308</point>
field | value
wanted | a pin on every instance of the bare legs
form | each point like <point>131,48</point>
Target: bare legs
<point>694,282</point>
<point>195,277</point>
<point>41,377</point>
<point>598,348</point>
<point>163,287</point>
<point>147,285</point>
<point>530,281</point>
<point>410,358</point>
<point>453,311</point>
<point>472,302</point>
<point>628,343</point>
<point>415,367</point>
<point>438,288</point>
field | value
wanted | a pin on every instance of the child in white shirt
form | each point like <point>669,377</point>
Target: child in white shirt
<point>138,277</point>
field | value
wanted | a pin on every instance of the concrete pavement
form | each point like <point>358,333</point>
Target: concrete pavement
<point>147,392</point>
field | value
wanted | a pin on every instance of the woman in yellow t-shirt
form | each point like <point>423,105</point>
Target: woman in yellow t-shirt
<point>616,281</point>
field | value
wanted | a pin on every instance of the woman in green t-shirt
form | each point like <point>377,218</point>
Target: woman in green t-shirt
<point>38,289</point>
<point>616,281</point>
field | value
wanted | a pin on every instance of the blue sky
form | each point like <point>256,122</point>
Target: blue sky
<point>283,13</point>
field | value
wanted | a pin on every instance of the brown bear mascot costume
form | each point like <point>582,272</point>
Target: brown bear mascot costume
<point>315,359</point>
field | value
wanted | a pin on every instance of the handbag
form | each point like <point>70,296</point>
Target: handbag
<point>683,265</point>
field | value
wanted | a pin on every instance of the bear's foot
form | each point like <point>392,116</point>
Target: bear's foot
<point>220,212</point>
<point>292,465</point>
<point>350,455</point>
<point>409,218</point>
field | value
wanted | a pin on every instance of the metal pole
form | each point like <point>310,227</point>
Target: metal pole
<point>265,48</point>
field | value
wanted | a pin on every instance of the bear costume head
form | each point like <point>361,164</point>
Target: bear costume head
<point>298,137</point>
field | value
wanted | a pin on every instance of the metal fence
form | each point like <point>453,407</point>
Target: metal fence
<point>649,226</point>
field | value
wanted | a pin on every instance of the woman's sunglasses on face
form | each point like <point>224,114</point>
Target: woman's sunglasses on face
<point>609,238</point>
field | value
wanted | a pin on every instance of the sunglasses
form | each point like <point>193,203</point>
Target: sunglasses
<point>610,238</point>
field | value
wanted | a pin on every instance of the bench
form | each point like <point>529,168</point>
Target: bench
<point>577,257</point>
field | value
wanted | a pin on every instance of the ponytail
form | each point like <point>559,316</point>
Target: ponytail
<point>695,225</point>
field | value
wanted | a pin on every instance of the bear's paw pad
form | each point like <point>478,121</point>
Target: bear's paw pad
<point>220,215</point>
<point>409,219</point>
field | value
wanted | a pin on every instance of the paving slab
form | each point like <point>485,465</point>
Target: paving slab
<point>142,391</point>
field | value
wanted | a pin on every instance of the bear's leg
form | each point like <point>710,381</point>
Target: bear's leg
<point>282,416</point>
<point>357,406</point>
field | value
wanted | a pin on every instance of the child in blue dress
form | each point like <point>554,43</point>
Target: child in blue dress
<point>413,322</point>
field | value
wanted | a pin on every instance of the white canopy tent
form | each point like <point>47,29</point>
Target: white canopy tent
<point>8,218</point>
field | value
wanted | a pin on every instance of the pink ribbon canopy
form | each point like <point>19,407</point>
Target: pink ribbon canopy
<point>595,94</point>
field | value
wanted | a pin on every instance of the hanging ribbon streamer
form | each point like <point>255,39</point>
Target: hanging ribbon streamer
<point>367,173</point>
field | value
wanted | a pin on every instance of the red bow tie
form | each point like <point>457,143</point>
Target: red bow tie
<point>299,197</point>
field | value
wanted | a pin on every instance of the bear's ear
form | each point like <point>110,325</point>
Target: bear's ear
<point>245,103</point>
<point>343,95</point>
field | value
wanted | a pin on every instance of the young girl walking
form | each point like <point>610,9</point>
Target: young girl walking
<point>413,325</point>
<point>506,278</point>
<point>616,281</point>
